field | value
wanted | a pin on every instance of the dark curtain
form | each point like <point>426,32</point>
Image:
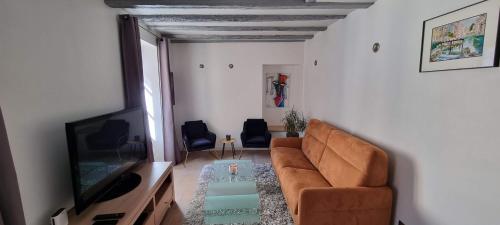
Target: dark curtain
<point>171,148</point>
<point>133,79</point>
<point>131,61</point>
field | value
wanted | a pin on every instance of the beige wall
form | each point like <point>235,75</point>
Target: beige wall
<point>441,129</point>
<point>224,98</point>
<point>59,62</point>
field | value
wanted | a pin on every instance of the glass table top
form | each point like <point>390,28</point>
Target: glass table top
<point>232,199</point>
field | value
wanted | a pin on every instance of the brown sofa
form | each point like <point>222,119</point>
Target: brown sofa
<point>330,177</point>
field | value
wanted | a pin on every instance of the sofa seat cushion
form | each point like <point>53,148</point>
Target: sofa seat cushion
<point>290,157</point>
<point>294,180</point>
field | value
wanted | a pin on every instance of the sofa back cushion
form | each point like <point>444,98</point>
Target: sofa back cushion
<point>348,161</point>
<point>314,141</point>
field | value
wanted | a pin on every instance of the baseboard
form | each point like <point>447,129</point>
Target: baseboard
<point>238,149</point>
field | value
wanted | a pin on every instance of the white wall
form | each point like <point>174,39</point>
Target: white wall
<point>441,129</point>
<point>224,98</point>
<point>295,93</point>
<point>59,62</point>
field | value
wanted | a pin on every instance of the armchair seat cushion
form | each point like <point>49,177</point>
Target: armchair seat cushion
<point>298,179</point>
<point>290,157</point>
<point>200,142</point>
<point>256,140</point>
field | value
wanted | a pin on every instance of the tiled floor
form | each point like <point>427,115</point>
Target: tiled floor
<point>186,179</point>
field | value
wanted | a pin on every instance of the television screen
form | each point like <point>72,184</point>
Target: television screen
<point>102,149</point>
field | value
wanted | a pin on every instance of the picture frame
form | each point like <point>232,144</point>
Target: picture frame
<point>467,38</point>
<point>276,90</point>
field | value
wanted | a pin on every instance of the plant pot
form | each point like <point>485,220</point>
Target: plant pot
<point>292,134</point>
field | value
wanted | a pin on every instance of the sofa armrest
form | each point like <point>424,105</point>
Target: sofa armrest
<point>367,206</point>
<point>291,142</point>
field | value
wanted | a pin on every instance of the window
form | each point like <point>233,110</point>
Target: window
<point>152,95</point>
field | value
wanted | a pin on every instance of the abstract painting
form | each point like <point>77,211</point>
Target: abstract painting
<point>463,39</point>
<point>277,90</point>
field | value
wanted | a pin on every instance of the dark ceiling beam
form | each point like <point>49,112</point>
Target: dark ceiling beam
<point>238,28</point>
<point>234,18</point>
<point>228,41</point>
<point>255,4</point>
<point>236,37</point>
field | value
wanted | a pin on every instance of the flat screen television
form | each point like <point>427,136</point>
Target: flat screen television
<point>102,152</point>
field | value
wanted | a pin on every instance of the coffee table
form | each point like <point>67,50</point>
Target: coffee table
<point>232,199</point>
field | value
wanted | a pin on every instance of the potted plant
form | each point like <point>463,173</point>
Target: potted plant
<point>294,123</point>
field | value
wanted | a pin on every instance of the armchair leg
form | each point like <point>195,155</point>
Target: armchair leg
<point>223,148</point>
<point>232,149</point>
<point>241,153</point>
<point>187,153</point>
<point>186,158</point>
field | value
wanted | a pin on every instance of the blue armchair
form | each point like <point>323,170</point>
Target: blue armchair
<point>197,137</point>
<point>255,134</point>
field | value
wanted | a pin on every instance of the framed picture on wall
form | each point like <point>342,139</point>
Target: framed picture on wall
<point>467,38</point>
<point>277,90</point>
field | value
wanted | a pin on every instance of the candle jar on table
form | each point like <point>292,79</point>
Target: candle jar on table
<point>233,168</point>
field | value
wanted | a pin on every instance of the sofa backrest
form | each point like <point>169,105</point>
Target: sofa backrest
<point>348,161</point>
<point>314,141</point>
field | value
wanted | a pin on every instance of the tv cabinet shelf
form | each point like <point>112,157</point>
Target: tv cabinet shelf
<point>147,204</point>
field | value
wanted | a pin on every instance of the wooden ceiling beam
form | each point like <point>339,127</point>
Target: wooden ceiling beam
<point>238,28</point>
<point>234,18</point>
<point>231,41</point>
<point>221,38</point>
<point>255,4</point>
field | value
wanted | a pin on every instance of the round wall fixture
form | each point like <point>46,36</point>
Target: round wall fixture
<point>315,62</point>
<point>202,66</point>
<point>376,47</point>
<point>231,66</point>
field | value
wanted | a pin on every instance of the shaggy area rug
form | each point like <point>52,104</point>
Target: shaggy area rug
<point>273,206</point>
